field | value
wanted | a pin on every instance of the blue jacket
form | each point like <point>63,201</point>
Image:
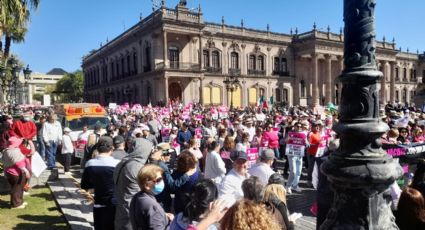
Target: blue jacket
<point>183,137</point>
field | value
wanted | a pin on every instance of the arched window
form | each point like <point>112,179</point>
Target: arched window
<point>260,63</point>
<point>278,95</point>
<point>404,74</point>
<point>285,95</point>
<point>284,65</point>
<point>234,60</point>
<point>148,62</point>
<point>173,53</point>
<point>302,88</point>
<point>397,96</point>
<point>215,59</point>
<point>251,65</point>
<point>206,57</point>
<point>397,76</point>
<point>135,61</point>
<point>404,95</point>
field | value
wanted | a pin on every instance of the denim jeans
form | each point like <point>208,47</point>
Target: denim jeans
<point>311,159</point>
<point>41,148</point>
<point>276,153</point>
<point>295,167</point>
<point>51,149</point>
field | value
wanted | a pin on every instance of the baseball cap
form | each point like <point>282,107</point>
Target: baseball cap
<point>118,140</point>
<point>267,154</point>
<point>235,155</point>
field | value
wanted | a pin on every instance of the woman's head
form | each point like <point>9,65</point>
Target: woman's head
<point>411,204</point>
<point>245,137</point>
<point>274,190</point>
<point>253,189</point>
<point>203,194</point>
<point>149,176</point>
<point>393,133</point>
<point>192,142</point>
<point>186,161</point>
<point>222,132</point>
<point>213,146</point>
<point>248,213</point>
<point>229,143</point>
<point>417,132</point>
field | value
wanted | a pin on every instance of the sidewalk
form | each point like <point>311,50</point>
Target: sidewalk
<point>77,206</point>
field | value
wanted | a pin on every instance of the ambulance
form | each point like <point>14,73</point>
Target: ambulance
<point>76,115</point>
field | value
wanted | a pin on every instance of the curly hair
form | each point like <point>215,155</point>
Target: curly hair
<point>247,215</point>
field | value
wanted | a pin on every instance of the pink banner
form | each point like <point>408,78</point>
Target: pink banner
<point>252,156</point>
<point>165,133</point>
<point>198,133</point>
<point>297,138</point>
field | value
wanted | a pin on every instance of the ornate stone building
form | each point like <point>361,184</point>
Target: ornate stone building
<point>174,54</point>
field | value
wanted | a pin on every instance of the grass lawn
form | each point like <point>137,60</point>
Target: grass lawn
<point>40,213</point>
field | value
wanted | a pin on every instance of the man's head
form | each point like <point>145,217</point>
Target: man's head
<point>85,128</point>
<point>145,130</point>
<point>105,145</point>
<point>267,156</point>
<point>119,142</point>
<point>53,118</point>
<point>240,162</point>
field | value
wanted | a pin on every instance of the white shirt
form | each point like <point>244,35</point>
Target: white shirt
<point>215,169</point>
<point>52,132</point>
<point>84,136</point>
<point>262,171</point>
<point>231,185</point>
<point>251,132</point>
<point>67,146</point>
<point>260,117</point>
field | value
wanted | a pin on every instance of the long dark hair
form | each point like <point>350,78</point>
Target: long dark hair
<point>203,193</point>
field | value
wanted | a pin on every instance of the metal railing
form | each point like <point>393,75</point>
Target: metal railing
<point>234,72</point>
<point>178,66</point>
<point>256,72</point>
<point>212,69</point>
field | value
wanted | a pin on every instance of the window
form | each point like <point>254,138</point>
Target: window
<point>251,65</point>
<point>397,77</point>
<point>404,95</point>
<point>252,96</point>
<point>147,67</point>
<point>285,95</point>
<point>215,59</point>
<point>276,64</point>
<point>128,65</point>
<point>260,63</point>
<point>404,74</point>
<point>206,95</point>
<point>206,56</point>
<point>135,62</point>
<point>174,56</point>
<point>397,96</point>
<point>280,66</point>
<point>216,96</point>
<point>278,95</point>
<point>283,65</point>
<point>234,60</point>
<point>302,88</point>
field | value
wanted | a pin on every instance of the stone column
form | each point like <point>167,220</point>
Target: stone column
<point>201,90</point>
<point>328,81</point>
<point>360,171</point>
<point>166,90</point>
<point>224,62</point>
<point>201,54</point>
<point>315,75</point>
<point>392,82</point>
<point>165,49</point>
<point>383,81</point>
<point>243,61</point>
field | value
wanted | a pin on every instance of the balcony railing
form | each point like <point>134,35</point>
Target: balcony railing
<point>212,69</point>
<point>234,72</point>
<point>256,72</point>
<point>281,73</point>
<point>178,66</point>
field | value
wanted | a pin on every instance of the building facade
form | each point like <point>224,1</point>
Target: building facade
<point>38,85</point>
<point>174,55</point>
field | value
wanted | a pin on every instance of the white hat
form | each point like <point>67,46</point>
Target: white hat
<point>67,130</point>
<point>144,127</point>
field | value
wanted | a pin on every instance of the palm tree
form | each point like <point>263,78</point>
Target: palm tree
<point>14,16</point>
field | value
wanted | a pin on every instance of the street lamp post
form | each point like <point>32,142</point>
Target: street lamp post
<point>231,83</point>
<point>9,78</point>
<point>360,171</point>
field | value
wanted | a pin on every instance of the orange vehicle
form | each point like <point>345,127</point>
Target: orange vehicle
<point>76,115</point>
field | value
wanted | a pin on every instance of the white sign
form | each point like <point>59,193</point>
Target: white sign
<point>37,165</point>
<point>46,100</point>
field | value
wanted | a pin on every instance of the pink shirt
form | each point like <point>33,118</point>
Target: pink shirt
<point>15,170</point>
<point>272,139</point>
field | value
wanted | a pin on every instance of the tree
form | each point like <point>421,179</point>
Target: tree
<point>70,87</point>
<point>37,97</point>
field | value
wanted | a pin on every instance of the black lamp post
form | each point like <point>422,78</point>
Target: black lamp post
<point>9,77</point>
<point>231,83</point>
<point>360,171</point>
<point>27,75</point>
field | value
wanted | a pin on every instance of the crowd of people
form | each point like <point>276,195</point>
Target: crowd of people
<point>190,167</point>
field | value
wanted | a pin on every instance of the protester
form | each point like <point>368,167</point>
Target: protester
<point>52,136</point>
<point>119,148</point>
<point>185,163</point>
<point>263,169</point>
<point>125,179</point>
<point>67,149</point>
<point>16,172</point>
<point>41,148</point>
<point>271,140</point>
<point>253,189</point>
<point>184,136</point>
<point>214,166</point>
<point>145,211</point>
<point>314,140</point>
<point>247,215</point>
<point>275,200</point>
<point>231,185</point>
<point>98,175</point>
<point>411,210</point>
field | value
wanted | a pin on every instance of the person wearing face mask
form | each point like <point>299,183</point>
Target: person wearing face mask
<point>145,211</point>
<point>25,128</point>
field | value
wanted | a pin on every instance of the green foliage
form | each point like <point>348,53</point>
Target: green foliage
<point>70,87</point>
<point>37,97</point>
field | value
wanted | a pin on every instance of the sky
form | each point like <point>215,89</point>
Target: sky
<point>61,32</point>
